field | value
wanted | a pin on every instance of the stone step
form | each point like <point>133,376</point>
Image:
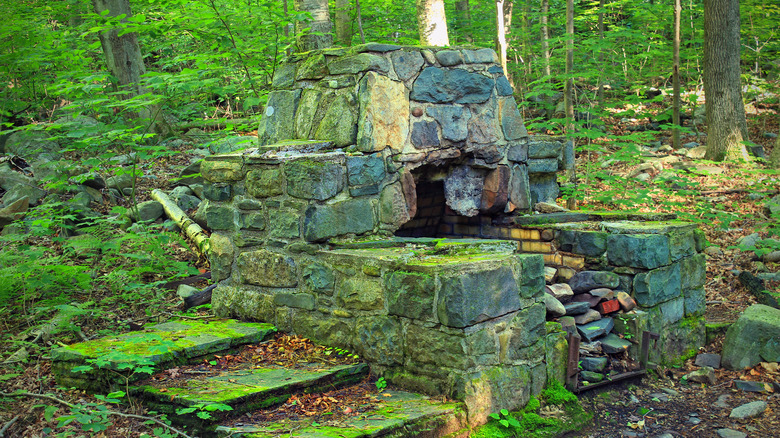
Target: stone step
<point>93,365</point>
<point>396,414</point>
<point>242,390</point>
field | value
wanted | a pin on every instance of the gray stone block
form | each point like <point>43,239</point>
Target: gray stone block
<point>477,295</point>
<point>656,286</point>
<point>596,364</point>
<point>298,301</point>
<point>407,64</point>
<point>365,171</point>
<point>587,243</point>
<point>410,295</point>
<point>351,216</point>
<point>544,149</point>
<point>754,338</point>
<point>647,251</point>
<point>358,63</point>
<point>595,329</point>
<point>517,152</point>
<point>425,135</point>
<point>708,360</point>
<point>614,344</point>
<point>543,187</point>
<point>480,56</point>
<point>503,87</point>
<point>277,122</point>
<point>584,281</point>
<point>542,165</point>
<point>449,58</point>
<point>452,119</point>
<point>310,179</point>
<point>266,268</point>
<point>437,85</point>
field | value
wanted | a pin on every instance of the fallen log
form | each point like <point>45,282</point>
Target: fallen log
<point>192,230</point>
<point>199,298</point>
<point>189,280</point>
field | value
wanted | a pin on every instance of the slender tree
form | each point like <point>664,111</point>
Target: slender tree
<point>319,34</point>
<point>343,23</point>
<point>464,19</point>
<point>726,123</point>
<point>432,23</point>
<point>124,61</point>
<point>501,35</point>
<point>568,96</point>
<point>545,12</point>
<point>676,76</point>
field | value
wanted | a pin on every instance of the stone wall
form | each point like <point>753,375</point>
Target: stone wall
<point>447,108</point>
<point>423,143</point>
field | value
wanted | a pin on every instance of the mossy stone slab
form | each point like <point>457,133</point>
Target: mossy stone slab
<point>246,390</point>
<point>159,345</point>
<point>398,413</point>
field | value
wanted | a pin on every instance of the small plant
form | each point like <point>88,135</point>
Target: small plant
<point>203,410</point>
<point>505,419</point>
<point>381,384</point>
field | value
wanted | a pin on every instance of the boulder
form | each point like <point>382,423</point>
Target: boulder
<point>754,338</point>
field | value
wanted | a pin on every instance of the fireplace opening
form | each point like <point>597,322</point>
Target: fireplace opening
<point>434,217</point>
<point>431,204</point>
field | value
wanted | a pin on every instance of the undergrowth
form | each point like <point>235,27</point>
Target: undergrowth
<point>555,412</point>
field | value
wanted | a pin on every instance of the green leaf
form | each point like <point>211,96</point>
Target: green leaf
<point>48,413</point>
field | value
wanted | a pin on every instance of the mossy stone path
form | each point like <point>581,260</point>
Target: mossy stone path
<point>98,366</point>
<point>246,390</point>
<point>157,346</point>
<point>399,414</point>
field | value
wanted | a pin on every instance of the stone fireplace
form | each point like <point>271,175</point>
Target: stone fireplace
<point>387,210</point>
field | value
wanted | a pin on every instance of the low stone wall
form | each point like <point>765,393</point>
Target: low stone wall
<point>460,318</point>
<point>654,258</point>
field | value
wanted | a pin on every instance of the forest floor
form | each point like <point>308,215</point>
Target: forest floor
<point>660,403</point>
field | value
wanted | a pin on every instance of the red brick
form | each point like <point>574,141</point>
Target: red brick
<point>610,306</point>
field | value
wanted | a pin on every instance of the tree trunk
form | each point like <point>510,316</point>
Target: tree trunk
<point>360,22</point>
<point>319,34</point>
<point>676,77</point>
<point>432,23</point>
<point>343,23</point>
<point>600,95</point>
<point>125,62</point>
<point>545,12</point>
<point>726,124</point>
<point>464,19</point>
<point>501,35</point>
<point>568,96</point>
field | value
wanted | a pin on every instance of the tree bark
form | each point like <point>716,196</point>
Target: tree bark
<point>568,96</point>
<point>125,62</point>
<point>676,77</point>
<point>343,23</point>
<point>464,19</point>
<point>432,23</point>
<point>600,95</point>
<point>501,35</point>
<point>726,123</point>
<point>545,12</point>
<point>360,22</point>
<point>318,35</point>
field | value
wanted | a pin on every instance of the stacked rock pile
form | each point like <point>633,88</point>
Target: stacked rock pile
<point>587,305</point>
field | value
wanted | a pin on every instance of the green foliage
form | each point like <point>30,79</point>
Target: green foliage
<point>555,412</point>
<point>203,410</point>
<point>381,384</point>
